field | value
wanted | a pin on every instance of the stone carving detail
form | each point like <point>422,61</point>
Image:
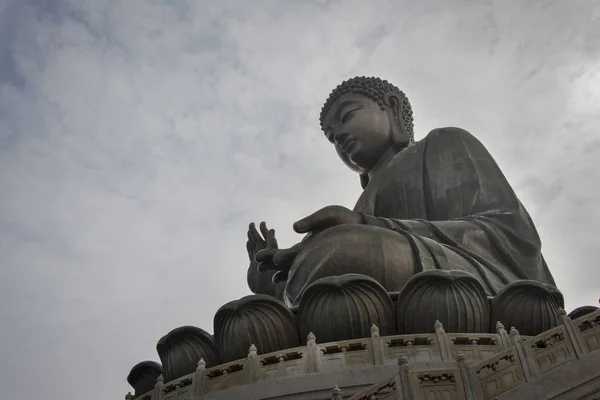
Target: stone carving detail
<point>142,376</point>
<point>498,374</point>
<point>181,349</point>
<point>345,307</point>
<point>436,378</point>
<point>259,320</point>
<point>438,384</point>
<point>455,298</point>
<point>529,305</point>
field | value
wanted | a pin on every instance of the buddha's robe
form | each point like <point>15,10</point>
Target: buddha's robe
<point>441,203</point>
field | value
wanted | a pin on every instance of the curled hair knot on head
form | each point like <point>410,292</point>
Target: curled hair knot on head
<point>374,89</point>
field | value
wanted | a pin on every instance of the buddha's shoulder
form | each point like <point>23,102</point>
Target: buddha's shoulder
<point>450,136</point>
<point>449,139</point>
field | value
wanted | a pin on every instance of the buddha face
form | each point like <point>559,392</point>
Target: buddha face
<point>359,129</point>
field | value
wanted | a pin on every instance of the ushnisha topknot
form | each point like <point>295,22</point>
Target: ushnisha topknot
<point>375,89</point>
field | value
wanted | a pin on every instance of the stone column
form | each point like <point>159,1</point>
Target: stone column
<point>503,335</point>
<point>158,388</point>
<point>253,364</point>
<point>404,384</point>
<point>312,354</point>
<point>526,362</point>
<point>377,346</point>
<point>466,377</point>
<point>443,342</point>
<point>336,393</point>
<point>198,379</point>
<point>572,332</point>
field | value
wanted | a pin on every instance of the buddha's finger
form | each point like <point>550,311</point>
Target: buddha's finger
<point>263,229</point>
<point>271,240</point>
<point>266,266</point>
<point>250,250</point>
<point>285,256</point>
<point>317,221</point>
<point>280,276</point>
<point>252,245</point>
<point>253,234</point>
<point>265,255</point>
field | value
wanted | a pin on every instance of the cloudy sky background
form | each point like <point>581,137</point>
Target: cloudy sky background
<point>138,139</point>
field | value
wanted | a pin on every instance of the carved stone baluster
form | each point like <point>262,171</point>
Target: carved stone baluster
<point>503,335</point>
<point>377,346</point>
<point>312,354</point>
<point>158,388</point>
<point>253,364</point>
<point>527,362</point>
<point>404,383</point>
<point>443,341</point>
<point>572,332</point>
<point>199,377</point>
<point>336,393</point>
<point>466,377</point>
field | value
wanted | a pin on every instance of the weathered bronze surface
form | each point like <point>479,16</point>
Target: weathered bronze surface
<point>345,307</point>
<point>258,320</point>
<point>438,236</point>
<point>182,348</point>
<point>142,376</point>
<point>441,203</point>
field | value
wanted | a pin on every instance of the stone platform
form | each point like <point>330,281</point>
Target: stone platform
<point>560,363</point>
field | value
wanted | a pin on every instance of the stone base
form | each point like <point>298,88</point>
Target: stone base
<point>561,363</point>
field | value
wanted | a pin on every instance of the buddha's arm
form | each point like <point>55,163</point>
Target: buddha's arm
<point>418,227</point>
<point>486,229</point>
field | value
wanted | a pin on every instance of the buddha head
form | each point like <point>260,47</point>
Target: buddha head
<point>365,119</point>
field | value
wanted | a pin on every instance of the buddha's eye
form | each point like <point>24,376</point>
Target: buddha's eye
<point>349,114</point>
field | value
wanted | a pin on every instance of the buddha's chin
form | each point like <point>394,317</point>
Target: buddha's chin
<point>352,159</point>
<point>357,162</point>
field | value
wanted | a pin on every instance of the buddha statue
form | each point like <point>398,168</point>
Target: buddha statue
<point>431,211</point>
<point>438,240</point>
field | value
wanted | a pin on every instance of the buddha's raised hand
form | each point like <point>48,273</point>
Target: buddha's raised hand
<point>260,243</point>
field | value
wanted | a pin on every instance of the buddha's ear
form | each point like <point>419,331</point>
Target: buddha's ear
<point>400,136</point>
<point>394,102</point>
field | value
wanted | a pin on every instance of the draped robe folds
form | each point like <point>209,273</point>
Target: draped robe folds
<point>447,190</point>
<point>447,197</point>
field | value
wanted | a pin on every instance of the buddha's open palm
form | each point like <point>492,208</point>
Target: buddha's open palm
<point>263,241</point>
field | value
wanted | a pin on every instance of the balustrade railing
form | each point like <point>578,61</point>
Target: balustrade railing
<point>471,366</point>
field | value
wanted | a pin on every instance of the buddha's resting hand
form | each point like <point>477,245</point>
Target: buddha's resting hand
<point>281,260</point>
<point>328,217</point>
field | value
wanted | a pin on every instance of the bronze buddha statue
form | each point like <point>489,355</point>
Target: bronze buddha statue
<point>437,207</point>
<point>438,234</point>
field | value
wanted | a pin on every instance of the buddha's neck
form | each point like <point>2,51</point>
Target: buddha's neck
<point>385,158</point>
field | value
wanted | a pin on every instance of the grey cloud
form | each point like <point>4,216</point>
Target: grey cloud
<point>138,139</point>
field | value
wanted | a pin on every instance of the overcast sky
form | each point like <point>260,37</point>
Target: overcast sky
<point>139,138</point>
